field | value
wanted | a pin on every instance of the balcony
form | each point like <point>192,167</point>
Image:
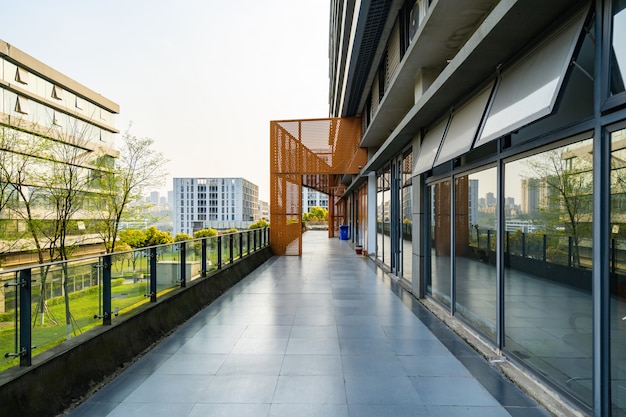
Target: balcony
<point>327,333</point>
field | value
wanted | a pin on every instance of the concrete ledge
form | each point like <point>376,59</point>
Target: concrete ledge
<point>66,373</point>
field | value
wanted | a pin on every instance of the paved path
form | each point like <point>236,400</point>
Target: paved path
<point>322,335</point>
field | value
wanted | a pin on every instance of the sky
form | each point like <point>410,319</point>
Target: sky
<point>202,78</point>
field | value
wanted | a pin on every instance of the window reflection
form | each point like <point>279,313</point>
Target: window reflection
<point>438,281</point>
<point>618,50</point>
<point>407,217</point>
<point>475,239</point>
<point>618,272</point>
<point>383,216</point>
<point>548,260</point>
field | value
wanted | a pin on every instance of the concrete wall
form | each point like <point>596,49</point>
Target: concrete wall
<point>69,371</point>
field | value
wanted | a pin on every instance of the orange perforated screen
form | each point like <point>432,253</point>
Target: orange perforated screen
<point>314,153</point>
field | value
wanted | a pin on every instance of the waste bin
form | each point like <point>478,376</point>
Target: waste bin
<point>343,232</point>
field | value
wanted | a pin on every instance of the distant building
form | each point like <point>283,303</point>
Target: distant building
<point>264,210</point>
<point>312,198</point>
<point>218,203</point>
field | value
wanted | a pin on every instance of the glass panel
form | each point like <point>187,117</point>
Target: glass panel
<point>211,253</point>
<point>528,90</point>
<point>407,216</point>
<point>438,281</point>
<point>130,280</point>
<point>475,239</point>
<point>548,303</point>
<point>618,272</point>
<point>386,208</point>
<point>168,268</point>
<point>66,298</point>
<point>380,243</point>
<point>9,316</point>
<point>618,50</point>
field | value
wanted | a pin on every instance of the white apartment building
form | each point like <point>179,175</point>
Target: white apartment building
<point>313,198</point>
<point>218,203</point>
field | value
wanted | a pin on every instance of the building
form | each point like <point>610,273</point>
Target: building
<point>313,198</point>
<point>56,134</point>
<point>448,92</point>
<point>218,203</point>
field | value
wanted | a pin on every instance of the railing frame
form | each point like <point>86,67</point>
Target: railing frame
<point>23,281</point>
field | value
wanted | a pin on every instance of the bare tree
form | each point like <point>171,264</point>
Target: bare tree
<point>565,179</point>
<point>138,167</point>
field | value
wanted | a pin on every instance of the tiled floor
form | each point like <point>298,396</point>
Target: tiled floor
<point>325,334</point>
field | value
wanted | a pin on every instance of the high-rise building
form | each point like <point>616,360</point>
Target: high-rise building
<point>218,203</point>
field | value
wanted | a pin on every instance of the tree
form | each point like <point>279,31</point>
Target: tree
<point>566,182</point>
<point>134,238</point>
<point>261,224</point>
<point>181,237</point>
<point>156,237</point>
<point>205,233</point>
<point>138,167</point>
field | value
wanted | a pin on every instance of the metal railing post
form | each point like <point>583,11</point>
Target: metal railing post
<point>523,245</point>
<point>106,290</point>
<point>153,275</point>
<point>219,252</point>
<point>231,246</point>
<point>248,237</point>
<point>26,347</point>
<point>203,262</point>
<point>545,247</point>
<point>240,245</point>
<point>182,247</point>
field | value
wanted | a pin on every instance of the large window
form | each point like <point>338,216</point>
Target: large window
<point>438,281</point>
<point>475,244</point>
<point>618,272</point>
<point>383,216</point>
<point>547,265</point>
<point>407,218</point>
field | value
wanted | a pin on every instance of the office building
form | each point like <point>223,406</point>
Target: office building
<point>55,134</point>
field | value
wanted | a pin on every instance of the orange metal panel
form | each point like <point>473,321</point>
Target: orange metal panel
<point>314,153</point>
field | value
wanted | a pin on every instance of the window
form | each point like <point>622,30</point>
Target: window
<point>21,105</point>
<point>80,103</point>
<point>22,76</point>
<point>56,93</point>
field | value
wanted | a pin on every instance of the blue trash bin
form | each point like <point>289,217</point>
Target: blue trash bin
<point>343,232</point>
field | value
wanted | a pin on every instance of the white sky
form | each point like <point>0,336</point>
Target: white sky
<point>203,78</point>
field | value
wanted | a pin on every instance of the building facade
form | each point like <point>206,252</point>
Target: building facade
<point>55,135</point>
<point>313,198</point>
<point>487,103</point>
<point>218,203</point>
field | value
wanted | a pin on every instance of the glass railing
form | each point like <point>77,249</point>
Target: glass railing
<point>44,305</point>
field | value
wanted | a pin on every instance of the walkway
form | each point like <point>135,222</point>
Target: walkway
<point>325,334</point>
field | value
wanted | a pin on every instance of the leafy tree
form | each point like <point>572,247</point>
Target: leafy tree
<point>138,167</point>
<point>205,233</point>
<point>134,238</point>
<point>155,237</point>
<point>181,237</point>
<point>227,231</point>
<point>261,224</point>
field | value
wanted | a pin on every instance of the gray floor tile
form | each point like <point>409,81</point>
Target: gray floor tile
<point>310,390</point>
<point>257,364</point>
<point>309,410</point>
<point>311,364</point>
<point>229,410</point>
<point>239,389</point>
<point>382,390</point>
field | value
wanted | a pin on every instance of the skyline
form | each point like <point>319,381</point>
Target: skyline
<point>202,79</point>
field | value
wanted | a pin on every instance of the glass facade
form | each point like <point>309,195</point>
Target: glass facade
<point>474,258</point>
<point>617,283</point>
<point>439,279</point>
<point>547,265</point>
